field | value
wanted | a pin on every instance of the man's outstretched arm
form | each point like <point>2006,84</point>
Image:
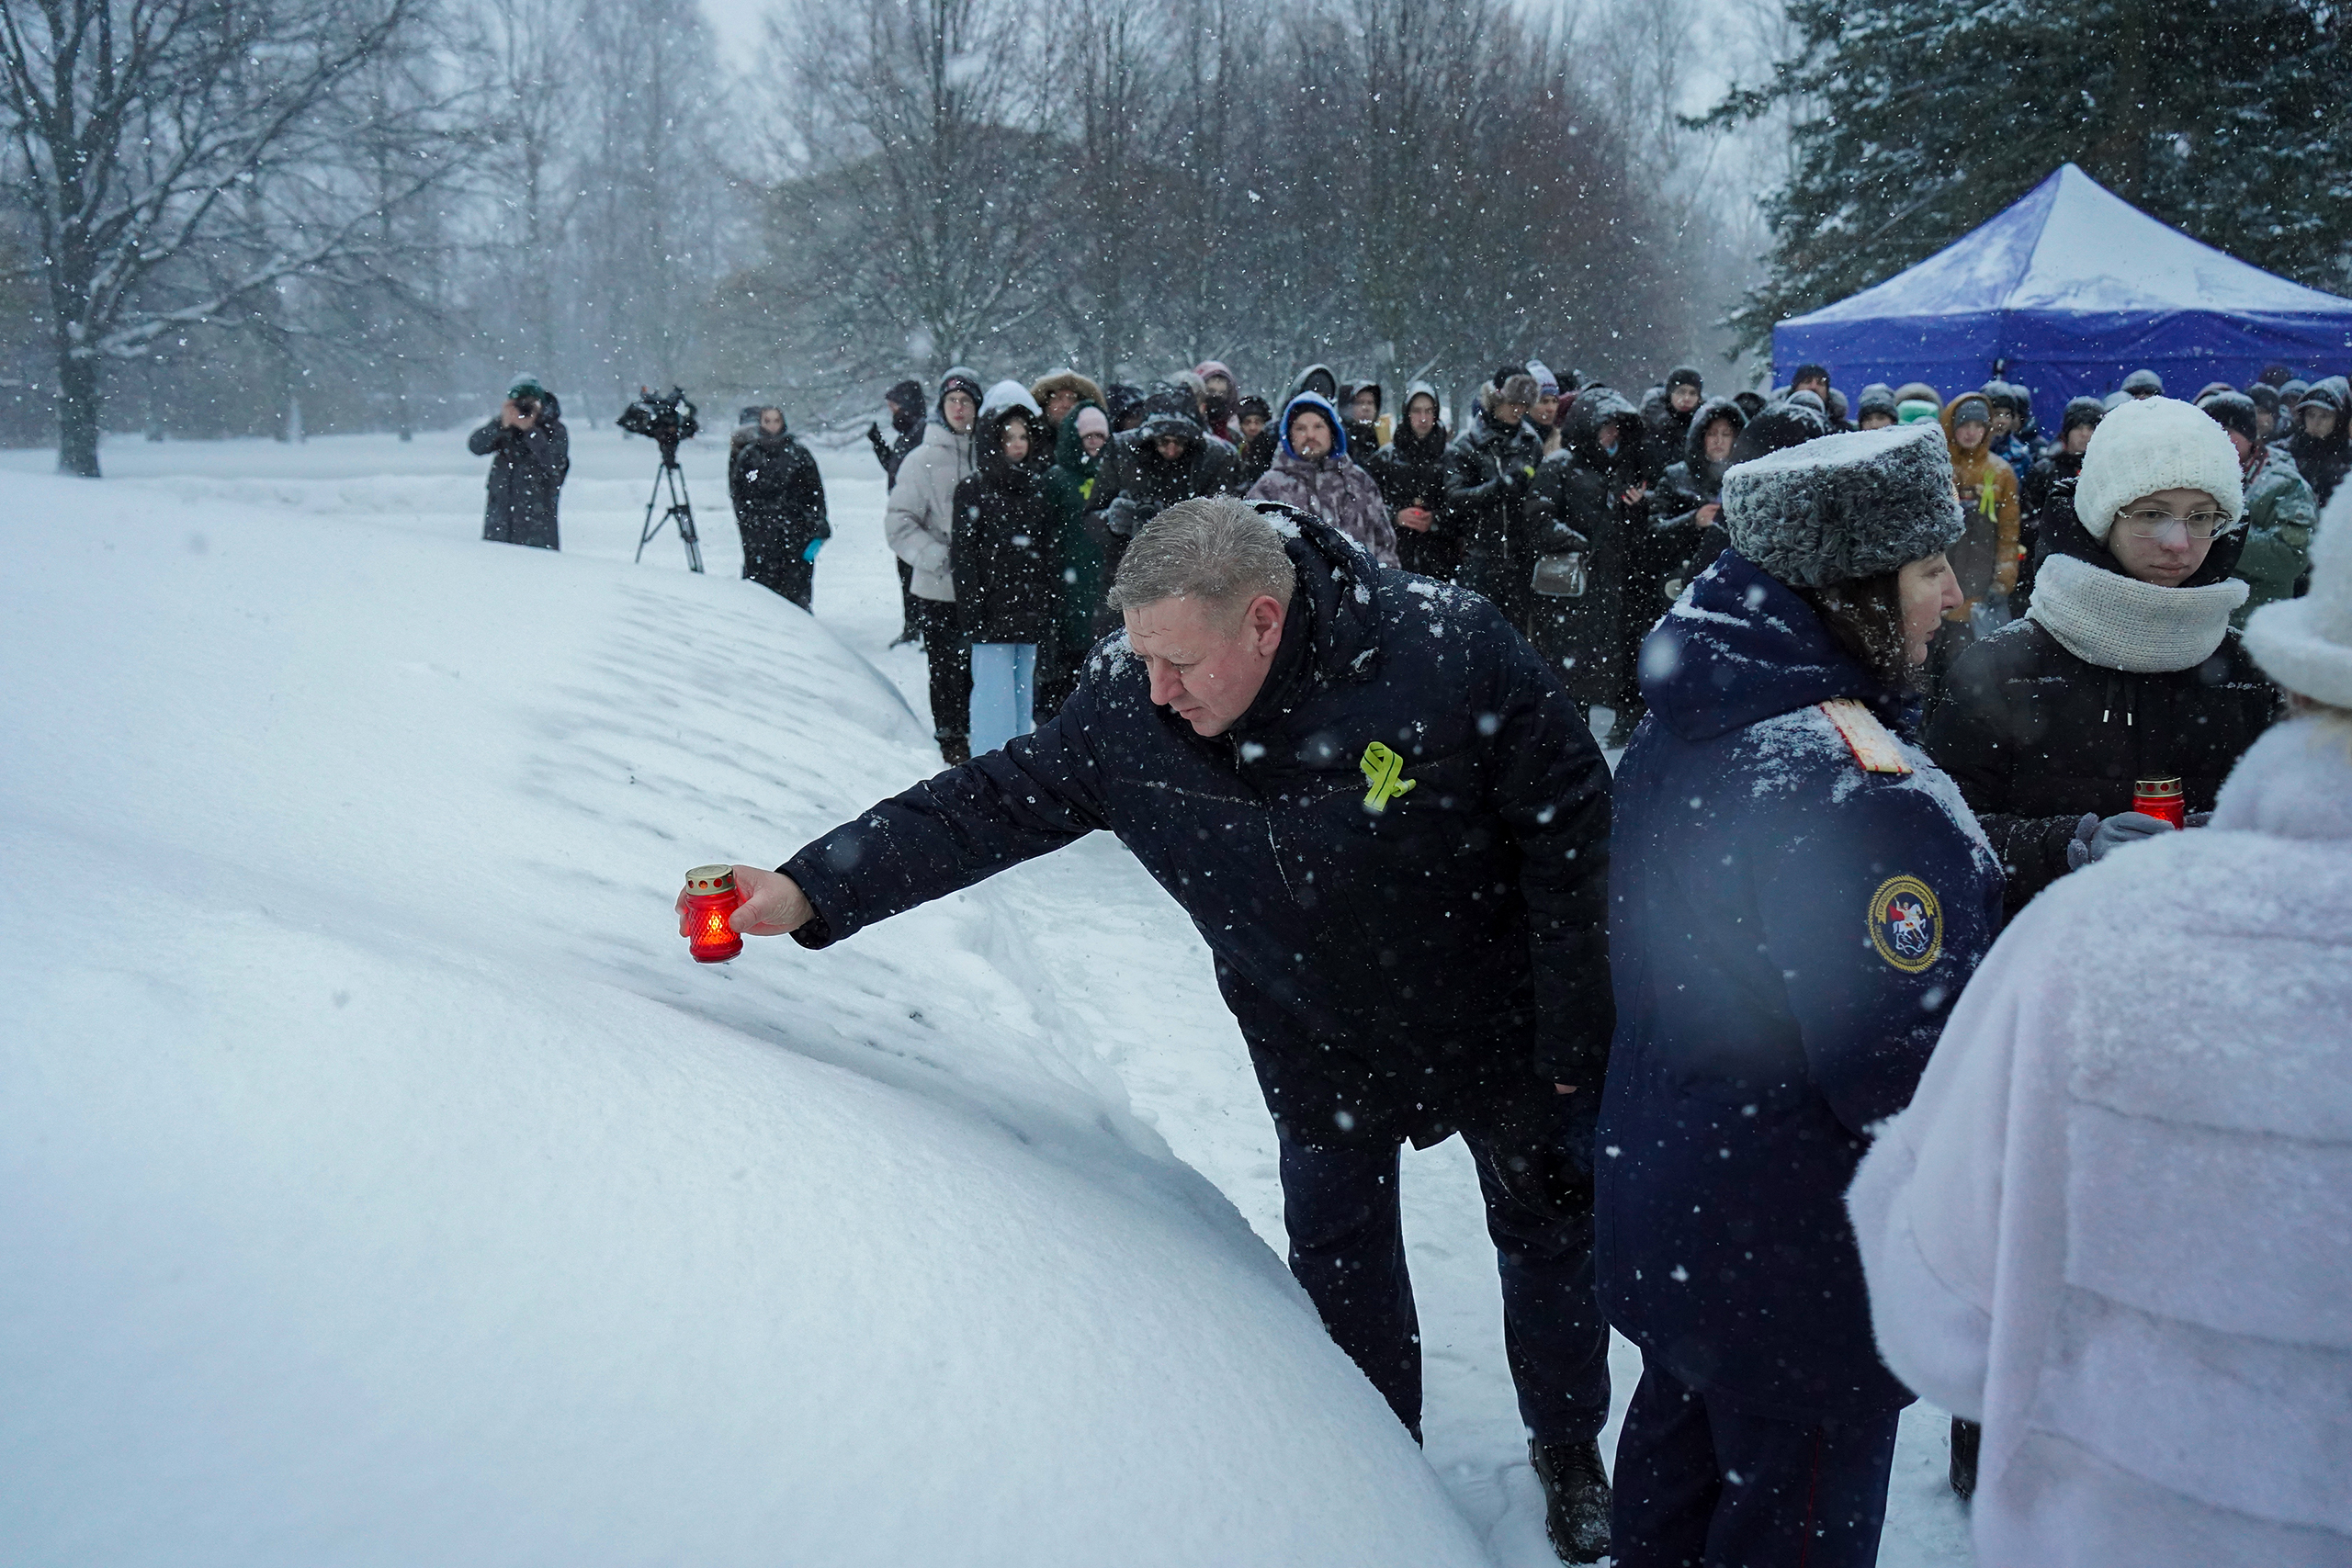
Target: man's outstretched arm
<point>1041,792</point>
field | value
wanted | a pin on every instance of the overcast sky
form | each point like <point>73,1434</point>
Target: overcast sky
<point>737,24</point>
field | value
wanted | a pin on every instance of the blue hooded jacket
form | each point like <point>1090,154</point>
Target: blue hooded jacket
<point>1330,412</point>
<point>1787,933</point>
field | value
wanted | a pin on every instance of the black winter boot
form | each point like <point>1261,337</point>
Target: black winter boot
<point>1966,1437</point>
<point>1576,1498</point>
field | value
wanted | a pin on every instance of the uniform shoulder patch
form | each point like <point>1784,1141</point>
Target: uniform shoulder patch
<point>1875,750</point>
<point>1906,923</point>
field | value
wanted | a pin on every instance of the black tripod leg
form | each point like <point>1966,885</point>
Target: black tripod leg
<point>684,509</point>
<point>650,527</point>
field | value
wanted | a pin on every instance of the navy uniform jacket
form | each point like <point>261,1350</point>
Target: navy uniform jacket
<point>1435,964</point>
<point>1789,931</point>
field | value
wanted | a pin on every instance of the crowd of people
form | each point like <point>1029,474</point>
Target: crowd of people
<point>1901,685</point>
<point>1578,512</point>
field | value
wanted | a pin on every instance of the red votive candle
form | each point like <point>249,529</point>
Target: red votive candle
<point>711,897</point>
<point>2161,798</point>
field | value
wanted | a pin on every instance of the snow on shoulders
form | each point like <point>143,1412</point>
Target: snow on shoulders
<point>1791,750</point>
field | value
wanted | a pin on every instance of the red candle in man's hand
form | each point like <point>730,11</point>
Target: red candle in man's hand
<point>711,897</point>
<point>2163,799</point>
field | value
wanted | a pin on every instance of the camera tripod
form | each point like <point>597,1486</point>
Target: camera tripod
<point>681,511</point>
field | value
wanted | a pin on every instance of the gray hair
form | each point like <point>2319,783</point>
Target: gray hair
<point>1216,547</point>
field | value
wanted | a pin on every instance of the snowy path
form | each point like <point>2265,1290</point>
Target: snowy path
<point>1092,954</point>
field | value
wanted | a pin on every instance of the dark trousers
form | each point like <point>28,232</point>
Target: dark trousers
<point>909,612</point>
<point>1347,1247</point>
<point>951,666</point>
<point>1703,1482</point>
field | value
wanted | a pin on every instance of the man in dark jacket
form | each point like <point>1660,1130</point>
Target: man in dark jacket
<point>1797,899</point>
<point>1374,803</point>
<point>530,453</point>
<point>779,509</point>
<point>1489,473</point>
<point>1689,498</point>
<point>1166,460</point>
<point>1668,409</point>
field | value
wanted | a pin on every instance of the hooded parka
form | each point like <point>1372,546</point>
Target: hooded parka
<point>1689,486</point>
<point>1432,965</point>
<point>1331,486</point>
<point>1135,483</point>
<point>526,474</point>
<point>1006,554</point>
<point>1986,556</point>
<point>2323,460</point>
<point>1410,472</point>
<point>1589,638</point>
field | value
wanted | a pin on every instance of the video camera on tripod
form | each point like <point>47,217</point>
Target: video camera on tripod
<point>668,418</point>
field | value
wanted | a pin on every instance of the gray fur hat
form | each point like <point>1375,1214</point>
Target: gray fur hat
<point>1843,507</point>
<point>1522,389</point>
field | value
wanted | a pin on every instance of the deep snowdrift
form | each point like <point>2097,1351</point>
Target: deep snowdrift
<point>384,1185</point>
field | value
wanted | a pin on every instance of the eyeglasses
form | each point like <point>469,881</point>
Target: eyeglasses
<point>2151,522</point>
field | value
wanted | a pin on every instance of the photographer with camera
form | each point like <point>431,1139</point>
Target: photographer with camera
<point>530,453</point>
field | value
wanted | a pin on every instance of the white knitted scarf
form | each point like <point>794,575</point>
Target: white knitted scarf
<point>2120,622</point>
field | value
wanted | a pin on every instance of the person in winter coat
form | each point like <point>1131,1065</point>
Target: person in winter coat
<point>1667,411</point>
<point>1125,405</point>
<point>2047,490</point>
<point>2125,668</point>
<point>529,453</point>
<point>1166,460</point>
<point>779,507</point>
<point>2111,1223</point>
<point>1082,615</point>
<point>1986,559</point>
<point>2280,510</point>
<point>1876,410</point>
<point>2321,443</point>
<point>1593,488</point>
<point>1367,429</point>
<point>1314,473</point>
<point>1410,472</point>
<point>1223,399</point>
<point>1316,378</point>
<point>2010,412</point>
<point>905,402</point>
<point>1797,897</point>
<point>920,522</point>
<point>1006,556</point>
<point>1490,471</point>
<point>1057,396</point>
<point>1545,411</point>
<point>1372,800</point>
<point>1686,511</point>
<point>1255,424</point>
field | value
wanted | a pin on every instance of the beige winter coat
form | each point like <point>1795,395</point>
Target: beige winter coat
<point>921,518</point>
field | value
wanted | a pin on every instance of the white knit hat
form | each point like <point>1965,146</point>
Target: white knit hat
<point>2306,644</point>
<point>2153,444</point>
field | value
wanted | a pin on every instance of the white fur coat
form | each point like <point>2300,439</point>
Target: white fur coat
<point>2116,1222</point>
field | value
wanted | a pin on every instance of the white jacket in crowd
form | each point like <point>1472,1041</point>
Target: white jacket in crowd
<point>919,521</point>
<point>2115,1225</point>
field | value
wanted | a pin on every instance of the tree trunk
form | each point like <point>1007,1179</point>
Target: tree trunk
<point>77,413</point>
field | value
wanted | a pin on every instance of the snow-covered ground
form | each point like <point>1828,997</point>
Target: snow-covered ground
<point>387,1150</point>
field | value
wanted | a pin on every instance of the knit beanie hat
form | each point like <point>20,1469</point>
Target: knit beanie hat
<point>1545,382</point>
<point>2144,384</point>
<point>1092,420</point>
<point>2081,410</point>
<point>526,386</point>
<point>1879,398</point>
<point>2152,443</point>
<point>1916,410</point>
<point>960,378</point>
<point>1008,395</point>
<point>1844,507</point>
<point>1684,376</point>
<point>2306,644</point>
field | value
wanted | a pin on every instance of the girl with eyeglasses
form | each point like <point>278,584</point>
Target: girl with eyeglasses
<point>2126,666</point>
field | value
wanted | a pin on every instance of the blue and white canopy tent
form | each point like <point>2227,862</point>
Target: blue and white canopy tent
<point>2068,291</point>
